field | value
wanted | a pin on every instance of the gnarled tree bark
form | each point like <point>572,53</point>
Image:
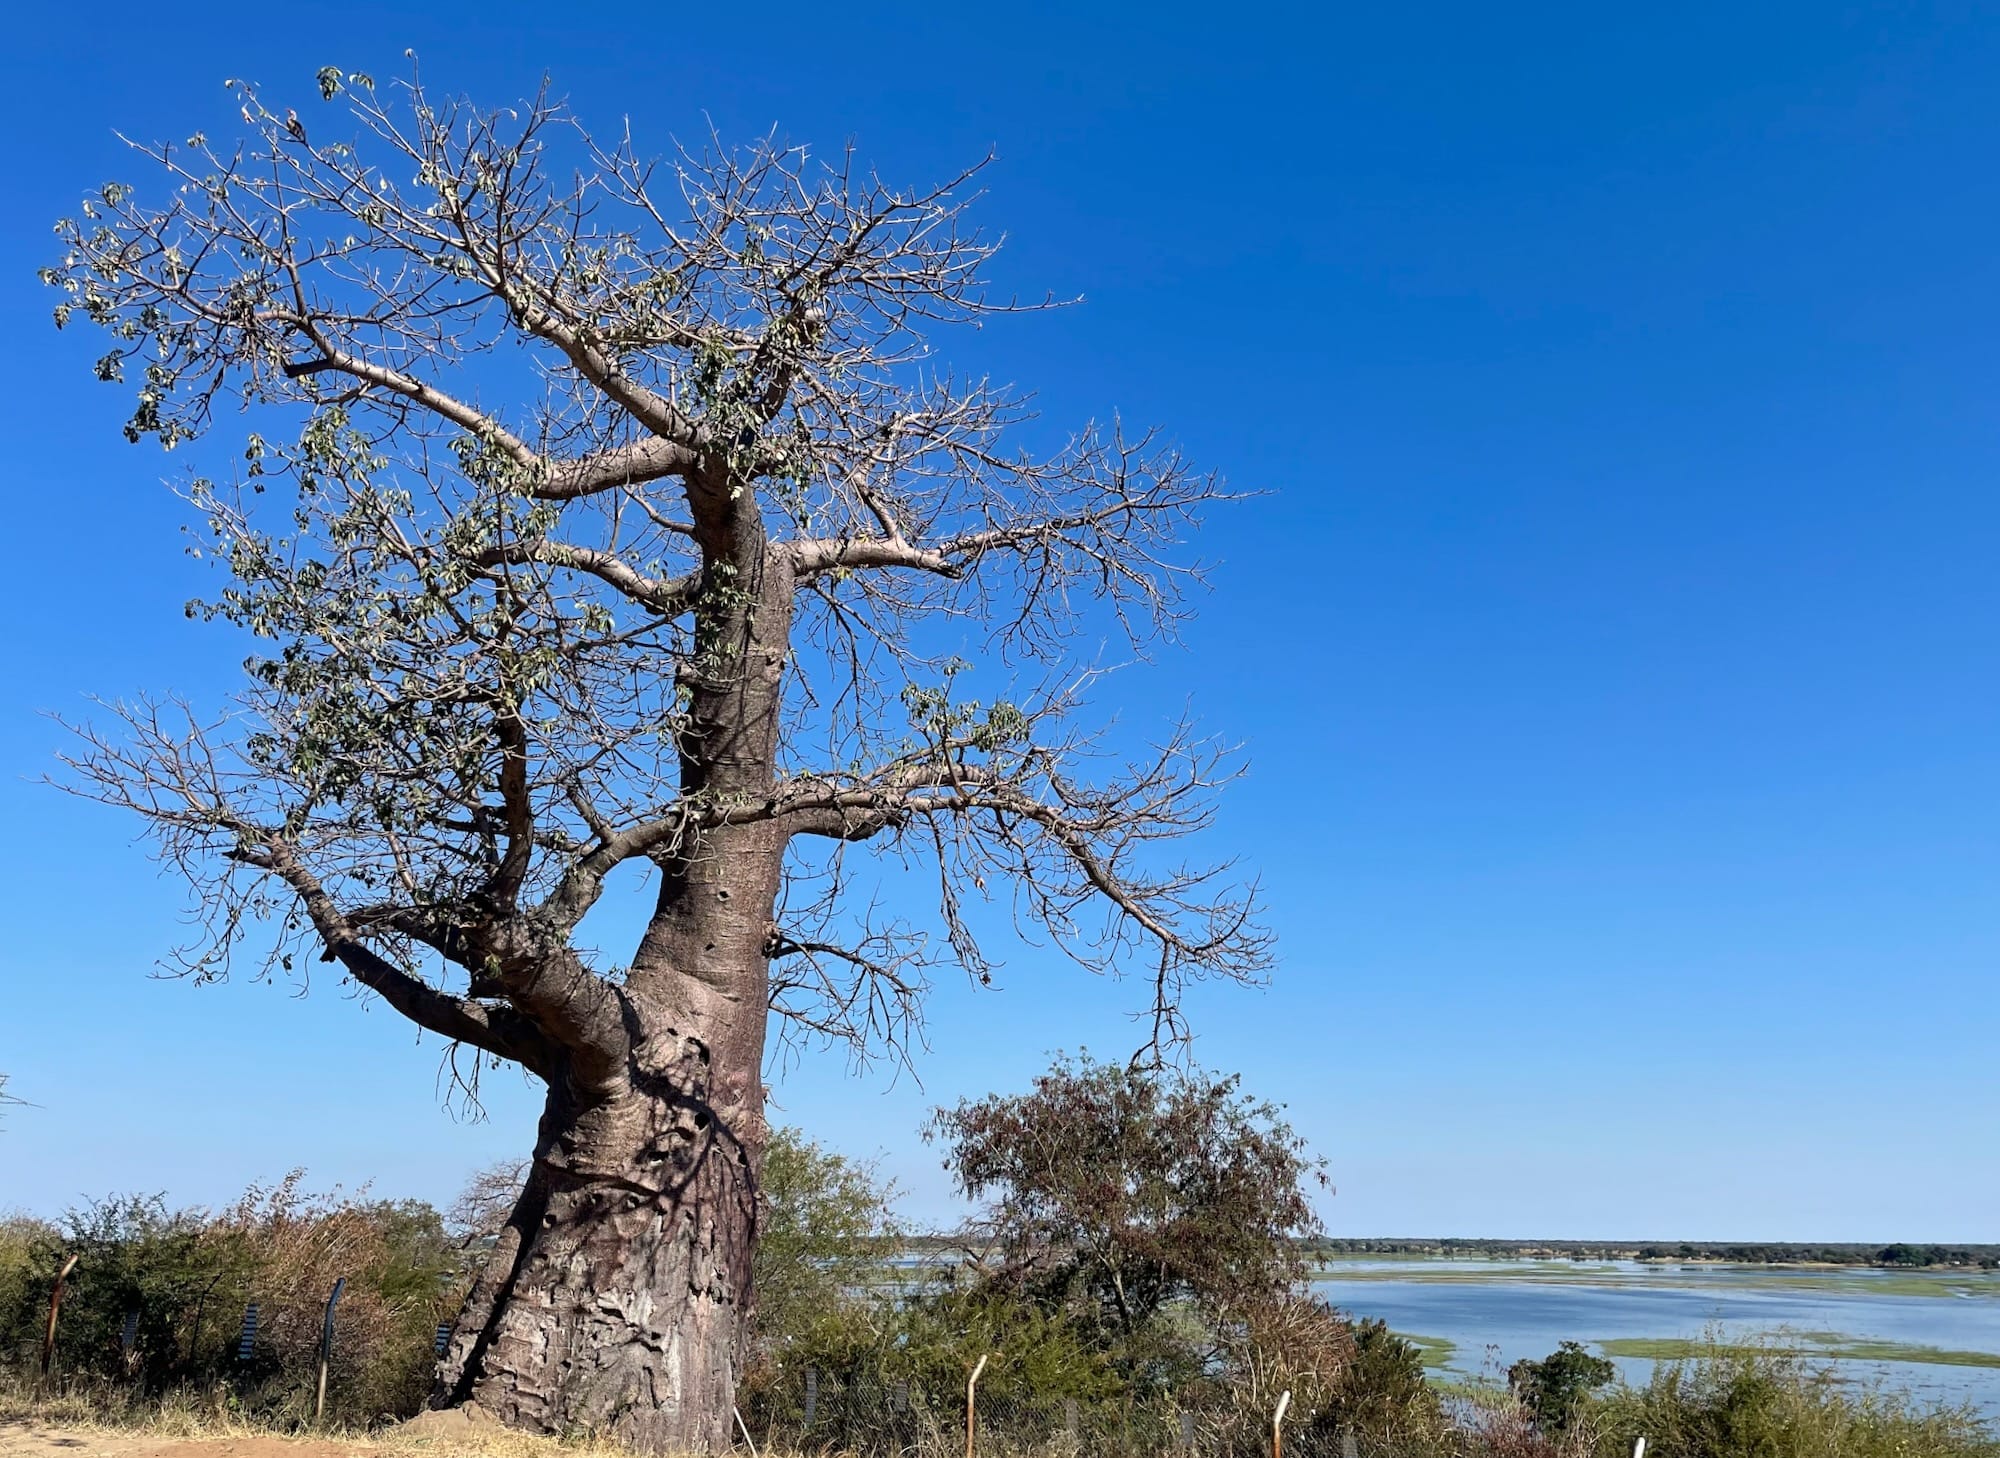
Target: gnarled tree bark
<point>616,1298</point>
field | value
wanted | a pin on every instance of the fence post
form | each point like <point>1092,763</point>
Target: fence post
<point>326,1350</point>
<point>1347,1445</point>
<point>246,1340</point>
<point>200,1310</point>
<point>55,1309</point>
<point>971,1403</point>
<point>1278,1425</point>
<point>812,1396</point>
<point>1187,1431</point>
<point>1071,1418</point>
<point>744,1428</point>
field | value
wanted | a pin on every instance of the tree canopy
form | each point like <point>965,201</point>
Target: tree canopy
<point>1129,1190</point>
<point>489,628</point>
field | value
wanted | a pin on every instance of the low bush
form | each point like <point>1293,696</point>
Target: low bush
<point>1752,1400</point>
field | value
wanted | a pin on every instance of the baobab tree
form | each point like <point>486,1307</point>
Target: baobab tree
<point>615,515</point>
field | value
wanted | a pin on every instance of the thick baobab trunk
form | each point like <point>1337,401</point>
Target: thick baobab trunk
<point>617,1297</point>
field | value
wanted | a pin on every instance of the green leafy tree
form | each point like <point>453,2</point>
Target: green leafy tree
<point>1555,1388</point>
<point>825,1232</point>
<point>1130,1196</point>
<point>599,520</point>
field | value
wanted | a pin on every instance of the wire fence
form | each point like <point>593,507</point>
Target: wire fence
<point>816,1412</point>
<point>293,1363</point>
<point>287,1360</point>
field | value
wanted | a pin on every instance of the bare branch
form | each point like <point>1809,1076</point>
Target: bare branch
<point>667,598</point>
<point>626,498</point>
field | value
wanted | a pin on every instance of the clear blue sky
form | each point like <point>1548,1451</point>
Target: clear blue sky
<point>1615,653</point>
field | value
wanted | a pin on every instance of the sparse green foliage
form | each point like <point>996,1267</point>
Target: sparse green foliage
<point>729,416</point>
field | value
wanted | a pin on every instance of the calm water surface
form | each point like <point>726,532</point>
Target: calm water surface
<point>1495,1312</point>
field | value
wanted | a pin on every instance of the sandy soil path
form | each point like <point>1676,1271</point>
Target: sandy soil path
<point>22,1439</point>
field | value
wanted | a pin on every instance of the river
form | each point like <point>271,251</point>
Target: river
<point>1493,1312</point>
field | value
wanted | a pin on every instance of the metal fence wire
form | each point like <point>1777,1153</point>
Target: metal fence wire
<point>290,1361</point>
<point>815,1412</point>
<point>286,1362</point>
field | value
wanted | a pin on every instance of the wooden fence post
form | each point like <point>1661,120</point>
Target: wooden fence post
<point>971,1402</point>
<point>55,1310</point>
<point>200,1309</point>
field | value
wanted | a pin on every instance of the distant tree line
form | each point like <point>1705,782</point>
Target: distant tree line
<point>1784,1253</point>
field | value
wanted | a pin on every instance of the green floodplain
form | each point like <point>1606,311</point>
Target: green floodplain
<point>1438,1352</point>
<point>1948,1282</point>
<point>1928,1330</point>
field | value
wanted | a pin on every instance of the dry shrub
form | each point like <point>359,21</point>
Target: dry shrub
<point>1294,1343</point>
<point>185,1276</point>
<point>401,1281</point>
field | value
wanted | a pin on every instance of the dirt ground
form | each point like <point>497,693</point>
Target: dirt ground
<point>22,1439</point>
<point>460,1433</point>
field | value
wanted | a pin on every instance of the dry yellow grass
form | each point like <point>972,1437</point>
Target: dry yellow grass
<point>186,1427</point>
<point>39,1438</point>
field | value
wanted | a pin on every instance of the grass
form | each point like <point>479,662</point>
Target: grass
<point>1912,1352</point>
<point>33,1424</point>
<point>1730,1402</point>
<point>1810,1343</point>
<point>1434,1352</point>
<point>1941,1283</point>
